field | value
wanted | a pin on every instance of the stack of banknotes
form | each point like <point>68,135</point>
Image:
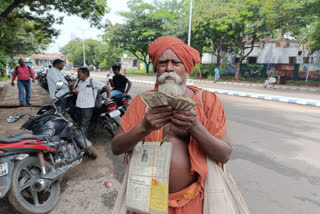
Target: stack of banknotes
<point>157,99</point>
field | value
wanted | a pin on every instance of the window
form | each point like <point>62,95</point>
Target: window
<point>118,59</point>
<point>252,60</point>
<point>134,63</point>
<point>292,60</point>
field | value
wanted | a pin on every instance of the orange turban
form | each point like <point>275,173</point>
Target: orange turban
<point>188,55</point>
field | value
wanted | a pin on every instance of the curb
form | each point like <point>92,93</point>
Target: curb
<point>260,85</point>
<point>293,100</point>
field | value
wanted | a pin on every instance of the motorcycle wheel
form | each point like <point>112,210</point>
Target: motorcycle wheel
<point>92,152</point>
<point>111,128</point>
<point>21,196</point>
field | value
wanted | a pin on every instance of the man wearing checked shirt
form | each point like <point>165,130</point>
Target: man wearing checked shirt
<point>86,97</point>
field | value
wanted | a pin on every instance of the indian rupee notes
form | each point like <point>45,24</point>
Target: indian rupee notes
<point>158,99</point>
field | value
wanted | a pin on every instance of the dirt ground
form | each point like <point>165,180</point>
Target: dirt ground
<point>82,189</point>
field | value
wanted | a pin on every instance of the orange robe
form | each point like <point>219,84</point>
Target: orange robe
<point>211,115</point>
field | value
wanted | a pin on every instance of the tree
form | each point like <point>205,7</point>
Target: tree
<point>138,31</point>
<point>175,17</point>
<point>28,25</point>
<point>310,33</point>
<point>22,38</point>
<point>248,26</point>
<point>97,53</point>
<point>231,26</point>
<point>3,62</point>
<point>210,27</point>
<point>313,37</point>
<point>288,16</point>
<point>35,9</point>
<point>73,51</point>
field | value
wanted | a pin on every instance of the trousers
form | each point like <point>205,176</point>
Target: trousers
<point>24,85</point>
<point>84,116</point>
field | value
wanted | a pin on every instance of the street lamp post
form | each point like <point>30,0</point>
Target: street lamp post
<point>190,18</point>
<point>84,54</point>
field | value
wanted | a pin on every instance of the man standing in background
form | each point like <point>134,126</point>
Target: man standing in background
<point>86,91</point>
<point>23,72</point>
<point>55,75</point>
<point>216,73</point>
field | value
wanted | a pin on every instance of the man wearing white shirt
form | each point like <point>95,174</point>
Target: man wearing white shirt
<point>87,94</point>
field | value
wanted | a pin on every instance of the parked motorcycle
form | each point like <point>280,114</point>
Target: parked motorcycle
<point>122,101</point>
<point>32,165</point>
<point>42,78</point>
<point>107,117</point>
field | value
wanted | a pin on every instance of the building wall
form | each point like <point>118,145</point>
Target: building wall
<point>290,71</point>
<point>272,52</point>
<point>129,63</point>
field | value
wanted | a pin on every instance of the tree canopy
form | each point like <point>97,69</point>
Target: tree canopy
<point>138,31</point>
<point>146,22</point>
<point>218,26</point>
<point>97,53</point>
<point>27,26</point>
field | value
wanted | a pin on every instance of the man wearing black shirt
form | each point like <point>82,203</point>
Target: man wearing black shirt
<point>119,82</point>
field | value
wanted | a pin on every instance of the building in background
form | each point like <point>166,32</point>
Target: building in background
<point>128,62</point>
<point>40,59</point>
<point>270,51</point>
<point>46,59</point>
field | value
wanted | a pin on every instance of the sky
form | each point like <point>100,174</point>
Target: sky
<point>74,26</point>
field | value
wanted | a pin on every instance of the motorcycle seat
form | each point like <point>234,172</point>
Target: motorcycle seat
<point>22,136</point>
<point>127,96</point>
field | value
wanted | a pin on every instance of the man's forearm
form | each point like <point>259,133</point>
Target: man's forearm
<point>126,141</point>
<point>217,149</point>
<point>108,90</point>
<point>129,87</point>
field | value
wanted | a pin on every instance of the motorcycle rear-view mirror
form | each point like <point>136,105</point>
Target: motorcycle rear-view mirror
<point>13,118</point>
<point>59,85</point>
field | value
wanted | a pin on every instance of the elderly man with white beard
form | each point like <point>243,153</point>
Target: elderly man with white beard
<point>194,134</point>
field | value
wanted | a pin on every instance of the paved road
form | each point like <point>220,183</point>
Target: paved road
<point>275,161</point>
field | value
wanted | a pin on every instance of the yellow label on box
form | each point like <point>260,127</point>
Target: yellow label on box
<point>159,196</point>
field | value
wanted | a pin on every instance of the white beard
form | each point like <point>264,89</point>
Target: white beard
<point>174,87</point>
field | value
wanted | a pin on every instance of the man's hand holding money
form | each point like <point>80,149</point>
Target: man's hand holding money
<point>157,117</point>
<point>184,120</point>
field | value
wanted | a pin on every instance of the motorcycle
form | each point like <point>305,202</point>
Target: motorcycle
<point>33,165</point>
<point>107,117</point>
<point>122,101</point>
<point>42,78</point>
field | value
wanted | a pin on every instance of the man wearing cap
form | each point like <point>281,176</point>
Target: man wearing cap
<point>194,134</point>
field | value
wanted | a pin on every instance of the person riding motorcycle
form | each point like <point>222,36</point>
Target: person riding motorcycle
<point>119,82</point>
